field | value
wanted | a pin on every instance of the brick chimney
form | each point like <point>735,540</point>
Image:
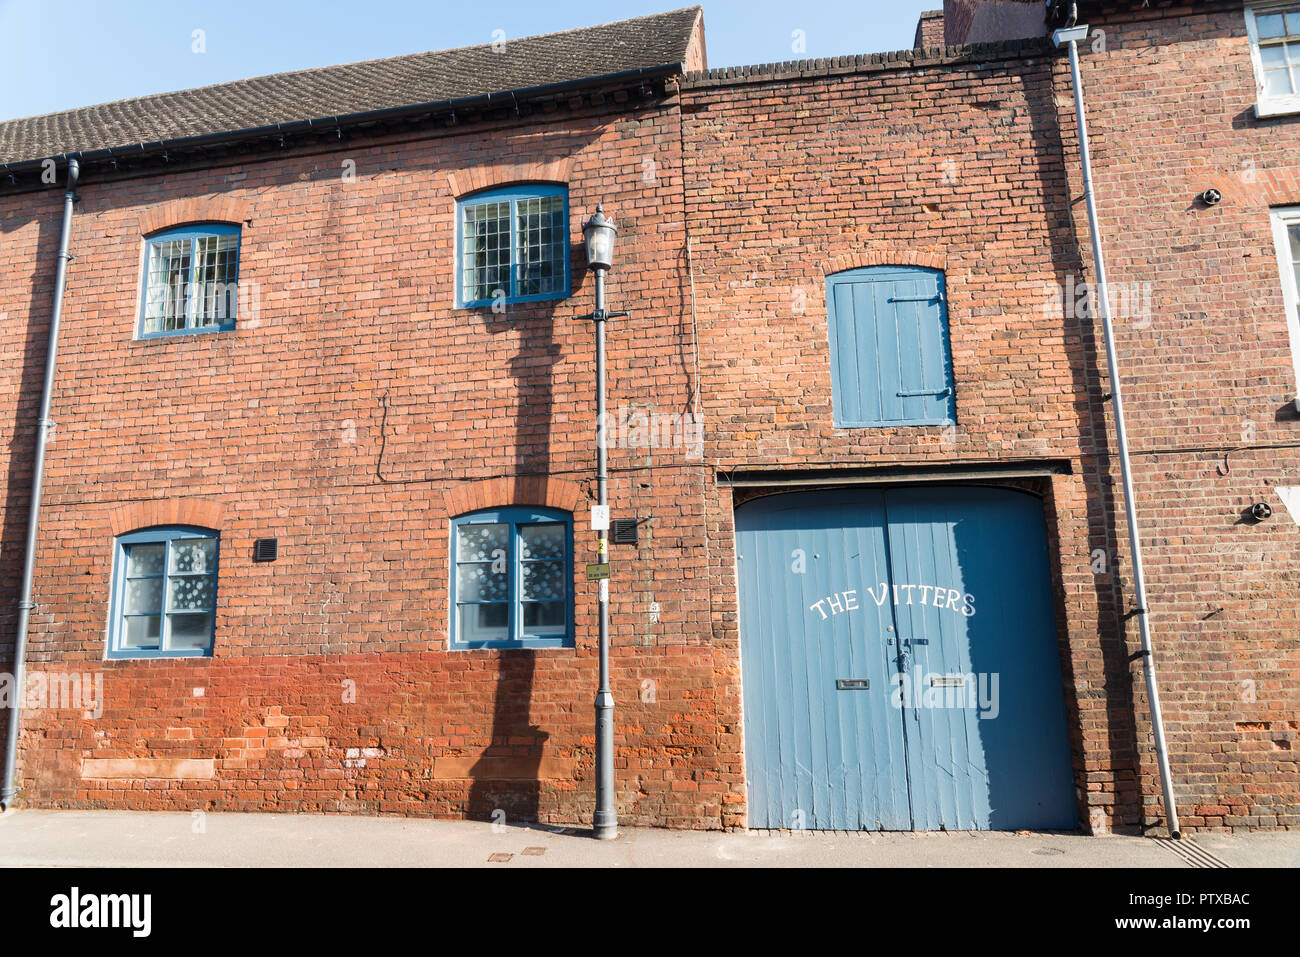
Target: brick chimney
<point>987,21</point>
<point>929,30</point>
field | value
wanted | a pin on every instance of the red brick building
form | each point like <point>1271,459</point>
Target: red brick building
<point>1210,381</point>
<point>399,393</point>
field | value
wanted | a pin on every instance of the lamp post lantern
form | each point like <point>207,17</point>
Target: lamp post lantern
<point>599,233</point>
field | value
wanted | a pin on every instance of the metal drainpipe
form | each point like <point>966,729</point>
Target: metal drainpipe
<point>33,517</point>
<point>1069,37</point>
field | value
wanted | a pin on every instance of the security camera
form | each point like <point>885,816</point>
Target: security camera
<point>1260,511</point>
<point>1211,197</point>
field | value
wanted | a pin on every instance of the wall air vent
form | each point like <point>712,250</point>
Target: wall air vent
<point>622,531</point>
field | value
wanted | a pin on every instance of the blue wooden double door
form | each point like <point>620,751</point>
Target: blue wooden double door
<point>899,659</point>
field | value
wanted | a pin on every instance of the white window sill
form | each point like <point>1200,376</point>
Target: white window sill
<point>1277,106</point>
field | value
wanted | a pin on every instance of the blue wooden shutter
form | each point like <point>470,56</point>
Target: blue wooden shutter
<point>890,363</point>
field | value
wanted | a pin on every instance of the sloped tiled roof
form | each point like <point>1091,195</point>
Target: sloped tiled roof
<point>659,40</point>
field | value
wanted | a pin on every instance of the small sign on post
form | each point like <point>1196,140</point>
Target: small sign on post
<point>600,518</point>
<point>597,572</point>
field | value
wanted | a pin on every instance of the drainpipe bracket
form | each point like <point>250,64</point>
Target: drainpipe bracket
<point>1070,35</point>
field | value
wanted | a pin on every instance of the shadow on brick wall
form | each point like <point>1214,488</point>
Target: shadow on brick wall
<point>20,431</point>
<point>1053,132</point>
<point>507,778</point>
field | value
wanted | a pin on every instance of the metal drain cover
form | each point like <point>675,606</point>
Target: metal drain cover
<point>1192,853</point>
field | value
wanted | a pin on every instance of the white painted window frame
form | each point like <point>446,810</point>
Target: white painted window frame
<point>1282,217</point>
<point>1266,106</point>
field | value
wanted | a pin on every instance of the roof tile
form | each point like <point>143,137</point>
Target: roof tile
<point>654,41</point>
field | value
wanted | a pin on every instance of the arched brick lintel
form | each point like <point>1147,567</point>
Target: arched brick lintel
<point>194,209</point>
<point>204,513</point>
<point>463,182</point>
<point>885,256</point>
<point>540,490</point>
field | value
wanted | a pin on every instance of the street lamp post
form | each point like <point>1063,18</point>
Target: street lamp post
<point>599,233</point>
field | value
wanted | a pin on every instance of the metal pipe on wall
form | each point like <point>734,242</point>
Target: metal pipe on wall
<point>1069,38</point>
<point>9,789</point>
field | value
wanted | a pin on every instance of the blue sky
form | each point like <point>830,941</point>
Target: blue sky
<point>59,55</point>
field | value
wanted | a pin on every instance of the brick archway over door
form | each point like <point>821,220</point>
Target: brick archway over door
<point>885,256</point>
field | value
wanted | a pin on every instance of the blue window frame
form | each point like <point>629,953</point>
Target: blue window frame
<point>889,350</point>
<point>191,281</point>
<point>512,579</point>
<point>512,245</point>
<point>164,594</point>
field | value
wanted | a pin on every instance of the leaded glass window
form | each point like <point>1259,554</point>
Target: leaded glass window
<point>513,246</point>
<point>191,280</point>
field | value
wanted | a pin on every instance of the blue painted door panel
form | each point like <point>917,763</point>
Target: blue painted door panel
<point>890,361</point>
<point>947,777</point>
<point>939,597</point>
<point>818,757</point>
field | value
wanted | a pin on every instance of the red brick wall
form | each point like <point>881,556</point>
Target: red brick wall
<point>949,166</point>
<point>352,416</point>
<point>792,178</point>
<point>1208,383</point>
